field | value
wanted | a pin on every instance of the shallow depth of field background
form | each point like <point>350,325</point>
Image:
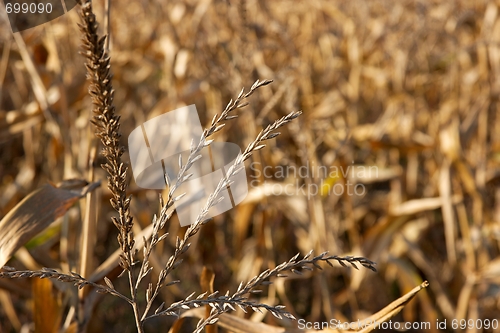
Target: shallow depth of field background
<point>408,87</point>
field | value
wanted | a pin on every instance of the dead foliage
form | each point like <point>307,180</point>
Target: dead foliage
<point>399,102</point>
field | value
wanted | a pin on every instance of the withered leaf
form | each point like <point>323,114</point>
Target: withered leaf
<point>36,212</point>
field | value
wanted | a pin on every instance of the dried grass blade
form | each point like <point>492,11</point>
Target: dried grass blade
<point>392,309</point>
<point>36,212</point>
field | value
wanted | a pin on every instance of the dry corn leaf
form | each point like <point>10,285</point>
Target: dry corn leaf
<point>36,212</point>
<point>14,122</point>
<point>491,272</point>
<point>394,308</point>
<point>47,308</point>
<point>416,206</point>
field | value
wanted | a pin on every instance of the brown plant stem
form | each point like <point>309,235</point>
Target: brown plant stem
<point>107,125</point>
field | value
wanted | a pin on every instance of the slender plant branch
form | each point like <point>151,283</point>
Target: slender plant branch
<point>75,278</point>
<point>227,303</point>
<point>167,209</point>
<point>107,125</point>
<point>182,245</point>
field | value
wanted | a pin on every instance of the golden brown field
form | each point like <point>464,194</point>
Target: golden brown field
<point>395,158</point>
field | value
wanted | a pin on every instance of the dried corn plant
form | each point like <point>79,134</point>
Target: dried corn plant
<point>107,125</point>
<point>405,88</point>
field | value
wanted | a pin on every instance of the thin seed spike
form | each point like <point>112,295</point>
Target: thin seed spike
<point>241,93</point>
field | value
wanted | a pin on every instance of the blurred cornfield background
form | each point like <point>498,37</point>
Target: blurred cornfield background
<point>408,87</point>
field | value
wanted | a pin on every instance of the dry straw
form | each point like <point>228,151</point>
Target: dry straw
<point>136,257</point>
<point>107,125</point>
